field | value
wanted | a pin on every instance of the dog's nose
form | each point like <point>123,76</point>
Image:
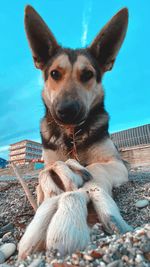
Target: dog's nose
<point>67,112</point>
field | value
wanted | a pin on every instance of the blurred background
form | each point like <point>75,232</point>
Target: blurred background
<point>74,24</point>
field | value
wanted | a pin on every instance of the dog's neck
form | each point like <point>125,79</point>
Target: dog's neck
<point>73,139</point>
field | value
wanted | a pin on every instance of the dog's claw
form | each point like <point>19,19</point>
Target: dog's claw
<point>117,226</point>
<point>86,175</point>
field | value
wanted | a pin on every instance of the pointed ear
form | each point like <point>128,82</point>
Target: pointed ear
<point>41,40</point>
<point>106,45</point>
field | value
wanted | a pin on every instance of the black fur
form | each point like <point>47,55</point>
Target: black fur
<point>73,54</point>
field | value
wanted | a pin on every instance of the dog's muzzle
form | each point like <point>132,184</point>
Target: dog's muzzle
<point>69,112</point>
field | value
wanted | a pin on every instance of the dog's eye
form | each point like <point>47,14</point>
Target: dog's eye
<point>55,74</point>
<point>86,75</point>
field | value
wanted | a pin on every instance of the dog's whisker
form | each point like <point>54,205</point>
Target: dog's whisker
<point>77,132</point>
<point>82,122</point>
<point>49,123</point>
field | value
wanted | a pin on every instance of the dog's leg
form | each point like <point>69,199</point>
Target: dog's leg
<point>68,230</point>
<point>100,193</point>
<point>35,235</point>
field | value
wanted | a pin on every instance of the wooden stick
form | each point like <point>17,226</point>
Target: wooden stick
<point>25,187</point>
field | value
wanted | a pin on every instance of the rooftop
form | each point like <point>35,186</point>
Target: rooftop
<point>26,140</point>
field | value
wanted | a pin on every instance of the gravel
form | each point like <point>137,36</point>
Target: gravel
<point>130,249</point>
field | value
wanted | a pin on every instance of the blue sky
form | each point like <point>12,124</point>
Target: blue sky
<point>74,24</point>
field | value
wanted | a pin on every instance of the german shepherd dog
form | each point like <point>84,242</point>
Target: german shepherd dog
<point>82,164</point>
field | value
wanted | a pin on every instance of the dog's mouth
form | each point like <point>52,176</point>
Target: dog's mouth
<point>70,122</point>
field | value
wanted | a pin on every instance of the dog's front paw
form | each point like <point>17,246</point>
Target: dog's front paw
<point>68,230</point>
<point>107,211</point>
<point>77,168</point>
<point>71,174</point>
<point>60,177</point>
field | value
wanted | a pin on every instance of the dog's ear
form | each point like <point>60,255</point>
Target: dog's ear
<point>106,45</point>
<point>41,40</point>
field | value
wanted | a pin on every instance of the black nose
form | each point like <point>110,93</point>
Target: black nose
<point>68,111</point>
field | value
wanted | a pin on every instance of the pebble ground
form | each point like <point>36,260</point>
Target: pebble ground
<point>130,249</point>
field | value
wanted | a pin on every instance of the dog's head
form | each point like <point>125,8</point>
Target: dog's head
<point>73,77</point>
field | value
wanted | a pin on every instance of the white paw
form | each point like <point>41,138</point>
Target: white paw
<point>68,230</point>
<point>107,211</point>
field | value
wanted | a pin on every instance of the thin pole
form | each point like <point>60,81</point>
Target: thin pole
<point>25,187</point>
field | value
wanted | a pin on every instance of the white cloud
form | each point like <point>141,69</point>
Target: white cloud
<point>4,151</point>
<point>85,22</point>
<point>4,148</point>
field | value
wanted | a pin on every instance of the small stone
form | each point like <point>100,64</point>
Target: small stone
<point>95,226</point>
<point>102,264</point>
<point>7,228</point>
<point>7,237</point>
<point>138,258</point>
<point>142,203</point>
<point>60,261</point>
<point>82,263</point>
<point>141,232</point>
<point>88,257</point>
<point>58,254</point>
<point>35,263</point>
<point>95,254</point>
<point>106,258</point>
<point>125,258</point>
<point>117,263</point>
<point>54,261</point>
<point>8,249</point>
<point>75,262</point>
<point>75,256</point>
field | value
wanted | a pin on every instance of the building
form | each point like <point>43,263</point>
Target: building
<point>3,163</point>
<point>25,151</point>
<point>132,137</point>
<point>134,145</point>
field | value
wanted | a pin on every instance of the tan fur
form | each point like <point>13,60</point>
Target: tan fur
<point>63,65</point>
<point>88,92</point>
<point>103,152</point>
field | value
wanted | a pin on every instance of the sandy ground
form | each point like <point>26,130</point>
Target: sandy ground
<point>15,211</point>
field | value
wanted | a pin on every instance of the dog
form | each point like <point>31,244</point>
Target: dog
<point>82,164</point>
